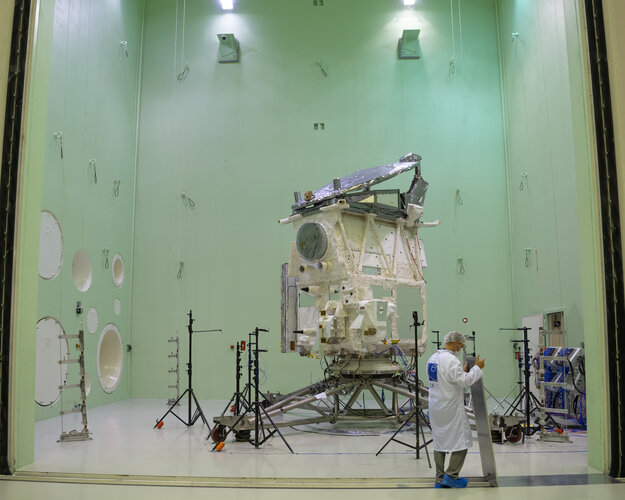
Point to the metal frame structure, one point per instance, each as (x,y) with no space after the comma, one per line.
(9,172)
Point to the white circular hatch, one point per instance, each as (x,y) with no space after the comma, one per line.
(92,320)
(110,358)
(118,270)
(81,270)
(49,374)
(50,246)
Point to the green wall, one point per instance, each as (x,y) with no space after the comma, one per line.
(549,156)
(93,92)
(239,139)
(540,143)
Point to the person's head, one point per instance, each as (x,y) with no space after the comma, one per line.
(454,341)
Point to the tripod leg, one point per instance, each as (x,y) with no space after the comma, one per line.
(199,413)
(514,406)
(171,410)
(392,438)
(277,430)
(425,446)
(504,400)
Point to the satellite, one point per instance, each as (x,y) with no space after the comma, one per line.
(355,246)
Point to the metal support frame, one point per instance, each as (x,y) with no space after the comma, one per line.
(9,173)
(176,370)
(84,434)
(611,227)
(326,400)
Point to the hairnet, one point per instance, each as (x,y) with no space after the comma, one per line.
(455,337)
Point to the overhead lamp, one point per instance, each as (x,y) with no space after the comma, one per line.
(408,45)
(229,50)
(410,3)
(227,4)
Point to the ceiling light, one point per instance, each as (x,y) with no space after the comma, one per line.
(409,3)
(227,4)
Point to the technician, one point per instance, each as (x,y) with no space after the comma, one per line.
(451,431)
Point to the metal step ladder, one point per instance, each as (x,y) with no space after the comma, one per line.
(176,370)
(84,434)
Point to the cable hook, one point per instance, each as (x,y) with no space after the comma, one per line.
(322,69)
(116,184)
(59,136)
(188,201)
(95,172)
(124,45)
(459,199)
(523,181)
(460,267)
(180,268)
(105,251)
(184,73)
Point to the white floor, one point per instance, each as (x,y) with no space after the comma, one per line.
(129,460)
(124,442)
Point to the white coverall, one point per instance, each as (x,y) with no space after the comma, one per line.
(447,379)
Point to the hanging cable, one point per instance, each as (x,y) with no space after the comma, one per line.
(453,31)
(459,199)
(186,68)
(460,34)
(105,252)
(116,184)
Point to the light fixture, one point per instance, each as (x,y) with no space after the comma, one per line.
(410,3)
(408,45)
(227,4)
(229,50)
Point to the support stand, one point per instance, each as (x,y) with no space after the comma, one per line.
(240,399)
(251,406)
(473,354)
(531,402)
(191,418)
(519,383)
(438,339)
(417,412)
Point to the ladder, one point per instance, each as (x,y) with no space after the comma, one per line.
(84,434)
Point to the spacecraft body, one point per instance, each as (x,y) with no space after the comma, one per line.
(355,247)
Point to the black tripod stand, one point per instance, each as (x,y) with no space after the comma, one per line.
(243,400)
(525,395)
(417,412)
(191,418)
(438,339)
(240,398)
